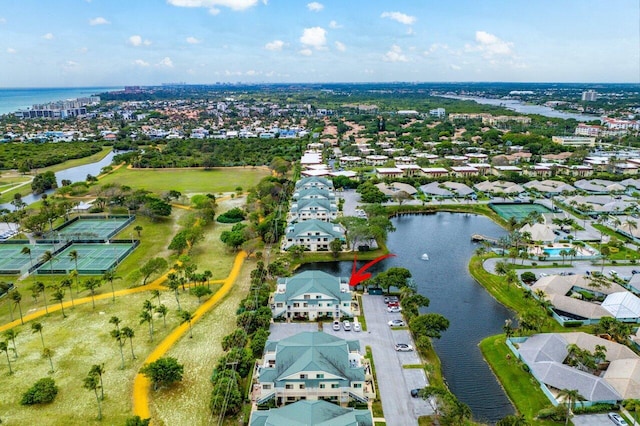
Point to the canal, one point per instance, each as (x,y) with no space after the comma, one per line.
(473,313)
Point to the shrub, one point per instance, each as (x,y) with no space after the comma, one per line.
(231,216)
(42,392)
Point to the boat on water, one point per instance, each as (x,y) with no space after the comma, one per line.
(424,256)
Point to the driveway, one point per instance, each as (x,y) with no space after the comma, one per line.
(592,420)
(394,382)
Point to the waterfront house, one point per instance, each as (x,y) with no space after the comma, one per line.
(313,235)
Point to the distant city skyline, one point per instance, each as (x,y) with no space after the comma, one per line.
(70,43)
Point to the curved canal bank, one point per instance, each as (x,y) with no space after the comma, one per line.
(473,313)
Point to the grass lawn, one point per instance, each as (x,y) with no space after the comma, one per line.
(188,181)
(521,387)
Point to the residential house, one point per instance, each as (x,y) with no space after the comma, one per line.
(312,295)
(311,413)
(312,208)
(314,182)
(389,172)
(313,235)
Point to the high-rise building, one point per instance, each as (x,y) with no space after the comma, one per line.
(589,96)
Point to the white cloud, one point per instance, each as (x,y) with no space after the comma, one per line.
(136,40)
(490,45)
(340,46)
(213,11)
(395,55)
(334,25)
(236,5)
(48,36)
(252,72)
(11,50)
(193,40)
(315,6)
(399,17)
(314,37)
(98,21)
(141,63)
(455,67)
(434,48)
(83,50)
(166,62)
(71,64)
(3,21)
(274,45)
(306,52)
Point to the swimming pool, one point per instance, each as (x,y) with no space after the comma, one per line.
(555,251)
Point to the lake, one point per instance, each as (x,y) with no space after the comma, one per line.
(473,313)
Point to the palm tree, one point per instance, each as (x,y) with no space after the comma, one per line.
(91,383)
(186,316)
(511,277)
(47,256)
(98,370)
(117,334)
(48,353)
(16,297)
(73,255)
(91,284)
(571,396)
(66,283)
(36,327)
(207,275)
(631,224)
(39,287)
(128,333)
(174,284)
(145,316)
(572,254)
(11,335)
(4,347)
(58,296)
(633,405)
(27,250)
(75,275)
(163,310)
(110,275)
(138,229)
(156,294)
(115,321)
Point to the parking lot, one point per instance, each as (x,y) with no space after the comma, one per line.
(592,420)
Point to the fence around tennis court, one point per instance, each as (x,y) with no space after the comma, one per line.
(106,230)
(91,266)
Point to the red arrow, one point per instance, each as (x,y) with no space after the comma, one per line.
(358,276)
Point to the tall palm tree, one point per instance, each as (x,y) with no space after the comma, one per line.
(73,255)
(4,347)
(39,287)
(47,256)
(186,316)
(16,297)
(110,276)
(27,250)
(91,383)
(631,224)
(156,294)
(163,310)
(58,296)
(98,370)
(48,353)
(633,405)
(92,284)
(145,316)
(11,335)
(75,276)
(128,333)
(174,284)
(207,274)
(36,327)
(66,283)
(571,396)
(117,335)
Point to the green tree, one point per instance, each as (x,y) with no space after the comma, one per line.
(430,325)
(570,396)
(137,421)
(164,371)
(11,334)
(36,327)
(153,266)
(186,316)
(73,255)
(201,291)
(128,333)
(58,296)
(16,297)
(174,284)
(4,347)
(98,370)
(92,383)
(42,392)
(111,276)
(26,250)
(163,310)
(146,316)
(92,284)
(66,283)
(138,230)
(47,256)
(513,420)
(48,353)
(39,288)
(336,247)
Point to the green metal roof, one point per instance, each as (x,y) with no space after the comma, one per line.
(313,225)
(312,413)
(311,282)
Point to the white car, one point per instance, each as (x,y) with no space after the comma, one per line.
(346,325)
(617,419)
(394,309)
(336,325)
(404,347)
(396,323)
(357,326)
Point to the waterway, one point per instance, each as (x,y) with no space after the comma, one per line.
(525,108)
(11,100)
(473,313)
(74,174)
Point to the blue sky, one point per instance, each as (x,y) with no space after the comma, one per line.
(46,43)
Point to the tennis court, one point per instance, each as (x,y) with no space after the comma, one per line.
(93,259)
(517,210)
(13,262)
(83,228)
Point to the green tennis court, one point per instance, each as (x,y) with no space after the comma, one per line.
(92,258)
(517,210)
(13,262)
(90,229)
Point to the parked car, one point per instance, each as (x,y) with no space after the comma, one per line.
(613,272)
(389,299)
(393,304)
(346,325)
(617,419)
(357,326)
(394,309)
(396,323)
(415,392)
(336,325)
(634,271)
(404,347)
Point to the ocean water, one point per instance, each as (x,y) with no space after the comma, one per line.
(12,100)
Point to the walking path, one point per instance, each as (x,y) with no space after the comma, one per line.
(141,385)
